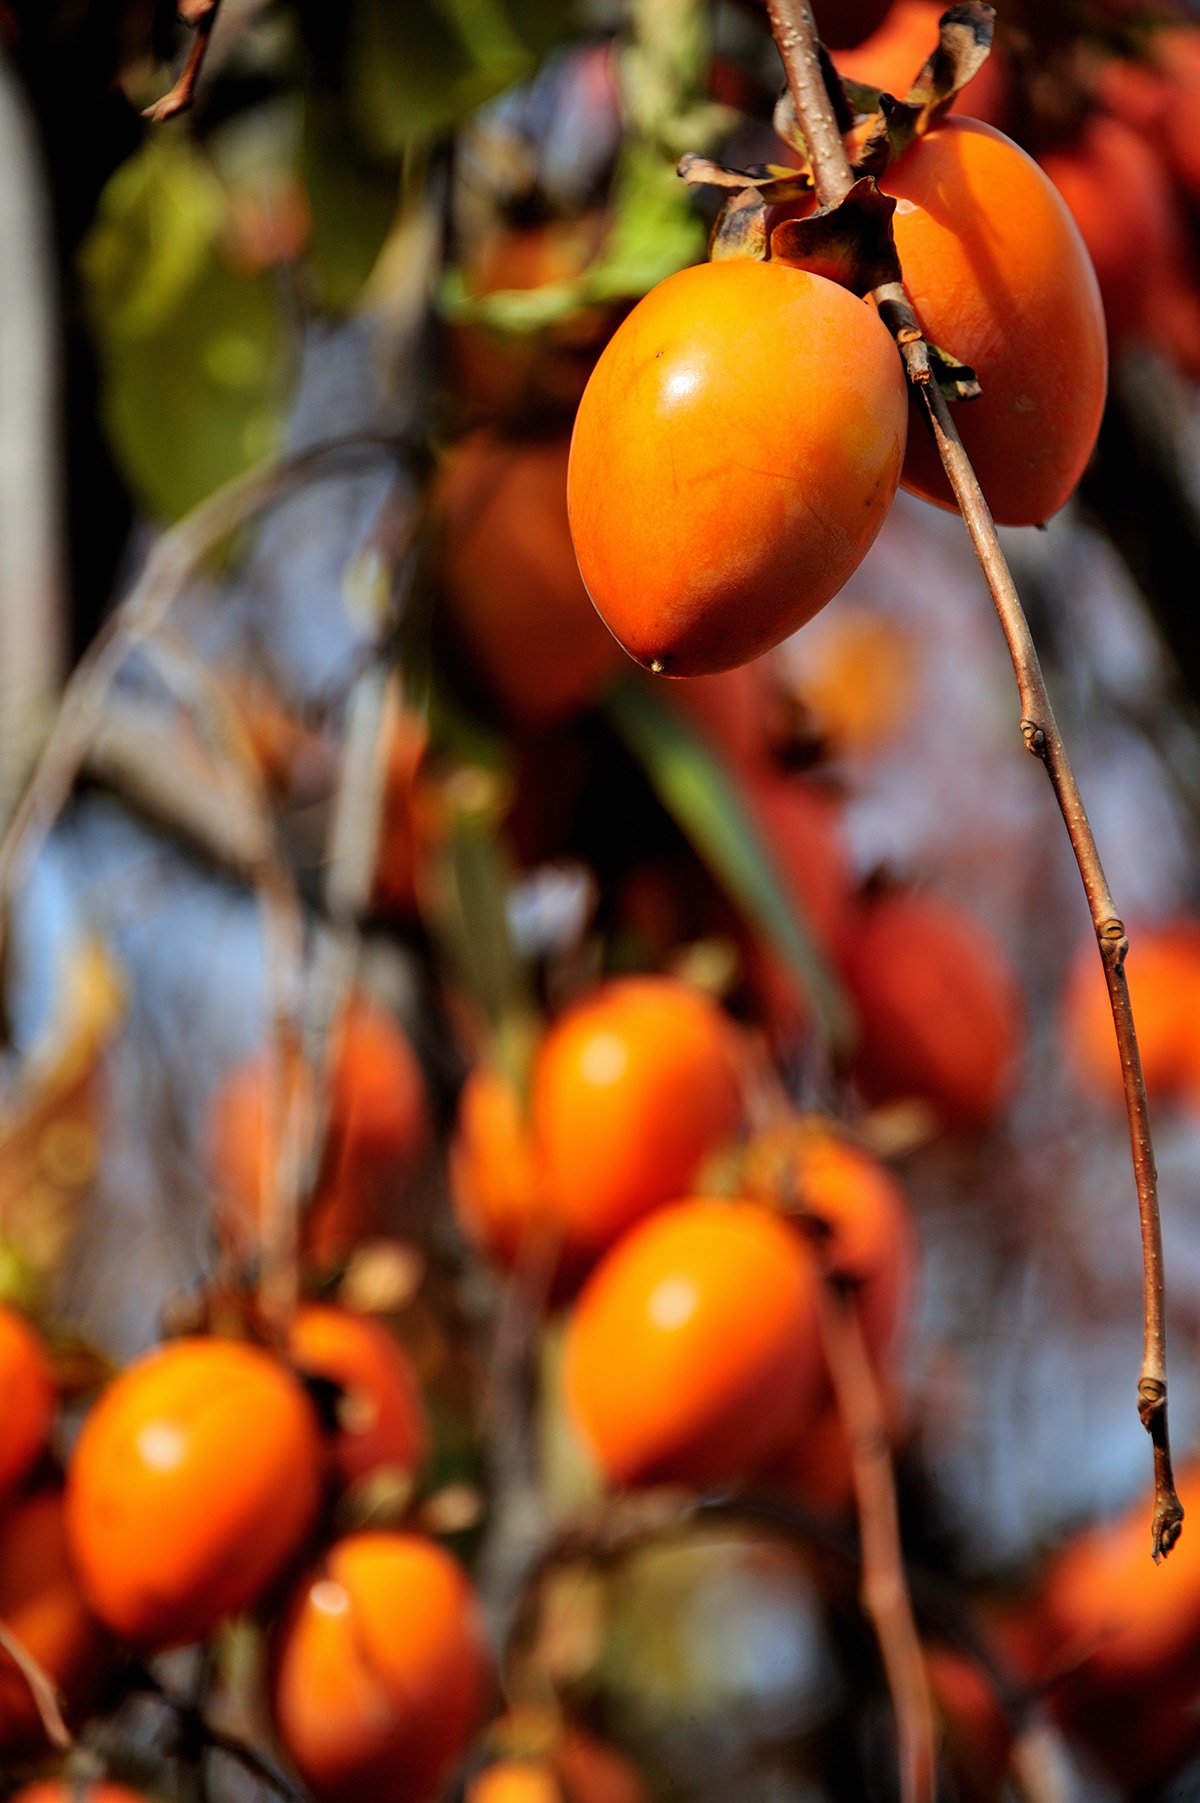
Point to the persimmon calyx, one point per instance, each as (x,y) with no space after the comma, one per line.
(891,124)
(850,243)
(741,226)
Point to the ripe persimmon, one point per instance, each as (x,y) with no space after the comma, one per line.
(515,1781)
(496,1180)
(538,1758)
(377,1133)
(735,453)
(940,1015)
(380,1415)
(692,1352)
(40,1600)
(977,1735)
(1128,1632)
(893,56)
(65,1790)
(26,1399)
(632,1089)
(1121,198)
(511,581)
(379,1670)
(194,1480)
(1157,95)
(1000,277)
(1162,968)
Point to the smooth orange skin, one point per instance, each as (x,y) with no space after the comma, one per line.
(1000,277)
(194,1480)
(735,453)
(378,1131)
(893,56)
(382,1420)
(41,1602)
(1133,1630)
(1163,971)
(26,1399)
(515,1781)
(692,1352)
(632,1089)
(511,581)
(1121,197)
(497,1184)
(940,1014)
(58,1790)
(379,1670)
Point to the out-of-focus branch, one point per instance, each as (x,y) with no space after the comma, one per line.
(201,15)
(884,1585)
(31,630)
(795,33)
(41,1689)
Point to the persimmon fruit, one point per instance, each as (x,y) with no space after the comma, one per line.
(734,455)
(632,1089)
(692,1353)
(379,1670)
(378,1132)
(496,1179)
(195,1478)
(26,1399)
(940,1014)
(62,1790)
(510,578)
(1162,968)
(380,1416)
(40,1600)
(515,1781)
(1000,277)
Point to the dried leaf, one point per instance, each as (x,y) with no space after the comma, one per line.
(775,182)
(956,380)
(964,46)
(741,228)
(887,136)
(850,243)
(787,126)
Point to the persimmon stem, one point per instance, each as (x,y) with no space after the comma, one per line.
(795,34)
(41,1688)
(885,1593)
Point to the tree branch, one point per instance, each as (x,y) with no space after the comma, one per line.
(41,1689)
(795,33)
(201,15)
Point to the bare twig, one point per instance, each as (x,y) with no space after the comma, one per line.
(41,1689)
(884,1585)
(1039,1765)
(257,1764)
(201,15)
(795,33)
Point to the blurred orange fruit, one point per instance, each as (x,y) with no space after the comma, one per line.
(40,1600)
(632,1089)
(574,1769)
(802,826)
(496,1179)
(515,1781)
(696,439)
(894,55)
(377,1133)
(26,1399)
(855,677)
(940,1015)
(380,1416)
(977,1736)
(379,1670)
(511,581)
(691,1353)
(65,1790)
(195,1478)
(1001,279)
(1163,972)
(411,823)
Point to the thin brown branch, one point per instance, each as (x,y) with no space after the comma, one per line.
(1039,1765)
(796,35)
(201,15)
(884,1585)
(41,1689)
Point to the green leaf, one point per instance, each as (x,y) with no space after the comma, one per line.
(698,793)
(193,355)
(418,67)
(353,203)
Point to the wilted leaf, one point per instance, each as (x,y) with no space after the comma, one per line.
(956,380)
(695,789)
(850,243)
(741,228)
(964,45)
(49,1129)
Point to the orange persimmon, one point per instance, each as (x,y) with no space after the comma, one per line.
(735,453)
(1001,278)
(1163,971)
(379,1670)
(692,1351)
(26,1399)
(940,1015)
(40,1600)
(510,578)
(194,1480)
(380,1415)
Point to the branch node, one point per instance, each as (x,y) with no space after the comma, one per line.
(1152,1399)
(1113,943)
(1035,738)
